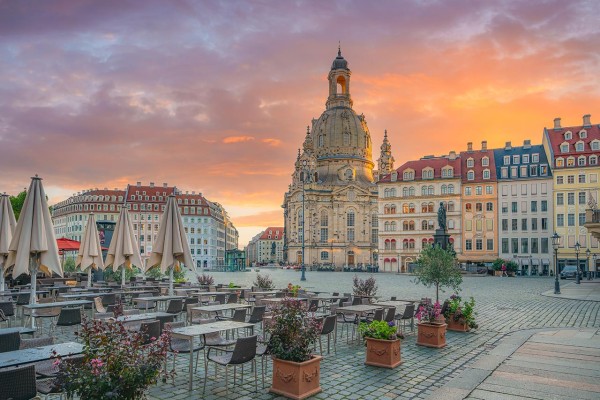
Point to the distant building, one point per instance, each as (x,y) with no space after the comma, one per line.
(573,154)
(266,247)
(208,228)
(525,207)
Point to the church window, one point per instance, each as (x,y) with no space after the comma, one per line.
(350,218)
(321,139)
(375,220)
(324,218)
(348,174)
(324,255)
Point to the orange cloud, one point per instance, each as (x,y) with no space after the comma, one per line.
(237,139)
(272,142)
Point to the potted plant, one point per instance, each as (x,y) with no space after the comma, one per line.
(504,267)
(206,280)
(437,267)
(460,317)
(382,342)
(293,290)
(431,329)
(293,333)
(364,287)
(116,363)
(263,281)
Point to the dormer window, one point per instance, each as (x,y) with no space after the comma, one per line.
(579,146)
(470,175)
(568,135)
(564,148)
(448,172)
(581,161)
(506,160)
(571,162)
(485,161)
(560,162)
(535,158)
(408,175)
(525,158)
(594,160)
(582,134)
(595,144)
(470,163)
(486,174)
(516,159)
(427,173)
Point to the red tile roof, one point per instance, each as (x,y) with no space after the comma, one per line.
(557,137)
(477,156)
(274,235)
(437,163)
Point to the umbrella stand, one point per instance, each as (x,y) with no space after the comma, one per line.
(33,269)
(123,276)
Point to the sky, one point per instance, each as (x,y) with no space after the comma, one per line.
(215,96)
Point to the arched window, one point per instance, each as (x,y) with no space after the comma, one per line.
(444,189)
(346,139)
(424,225)
(405,225)
(404,191)
(321,140)
(423,207)
(405,244)
(411,225)
(411,191)
(386,227)
(470,175)
(324,218)
(386,209)
(468,207)
(581,161)
(393,192)
(450,206)
(387,244)
(593,160)
(393,244)
(430,190)
(411,244)
(451,189)
(423,190)
(424,243)
(430,225)
(430,207)
(411,208)
(393,226)
(405,208)
(393,209)
(386,193)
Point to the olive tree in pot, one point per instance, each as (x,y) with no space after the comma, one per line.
(293,332)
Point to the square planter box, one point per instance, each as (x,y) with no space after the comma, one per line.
(431,335)
(457,326)
(296,380)
(383,353)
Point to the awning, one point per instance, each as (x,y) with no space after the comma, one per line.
(535,261)
(545,261)
(65,244)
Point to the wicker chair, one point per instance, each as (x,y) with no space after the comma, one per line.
(10,341)
(68,317)
(243,352)
(8,310)
(44,368)
(18,383)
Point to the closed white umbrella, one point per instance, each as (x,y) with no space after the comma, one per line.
(171,246)
(124,249)
(33,246)
(90,251)
(7,227)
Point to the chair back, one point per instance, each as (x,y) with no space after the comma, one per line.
(409,311)
(23,298)
(175,306)
(314,305)
(190,300)
(279,295)
(99,306)
(258,312)
(69,317)
(9,341)
(109,299)
(239,315)
(8,308)
(165,320)
(390,314)
(233,298)
(378,315)
(445,307)
(244,350)
(18,383)
(150,330)
(328,324)
(393,298)
(220,298)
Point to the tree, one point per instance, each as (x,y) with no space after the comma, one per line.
(437,267)
(17,203)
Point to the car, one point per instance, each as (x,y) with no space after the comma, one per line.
(569,271)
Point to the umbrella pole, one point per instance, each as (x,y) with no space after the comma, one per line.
(123,276)
(33,268)
(2,273)
(171,280)
(89,277)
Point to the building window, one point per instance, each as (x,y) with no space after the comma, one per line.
(523,224)
(350,218)
(571,162)
(525,158)
(324,254)
(489,206)
(350,234)
(489,244)
(324,235)
(595,145)
(514,207)
(471,175)
(581,197)
(560,199)
(571,219)
(486,174)
(470,163)
(478,207)
(564,148)
(593,160)
(489,189)
(581,178)
(524,245)
(505,225)
(560,220)
(534,224)
(478,190)
(581,219)
(505,245)
(468,207)
(571,198)
(504,172)
(581,161)
(533,206)
(506,160)
(544,205)
(516,159)
(579,146)
(514,244)
(468,191)
(478,244)
(468,244)
(485,161)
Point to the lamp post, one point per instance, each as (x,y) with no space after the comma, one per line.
(589,270)
(555,244)
(577,248)
(304,178)
(398,262)
(595,257)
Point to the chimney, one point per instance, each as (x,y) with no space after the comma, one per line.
(507,146)
(139,184)
(470,146)
(483,145)
(557,123)
(165,184)
(151,184)
(452,155)
(193,192)
(187,192)
(586,121)
(527,144)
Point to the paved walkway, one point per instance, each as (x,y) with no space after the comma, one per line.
(586,290)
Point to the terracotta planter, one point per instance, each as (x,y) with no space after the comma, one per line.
(431,335)
(383,353)
(296,380)
(497,273)
(458,326)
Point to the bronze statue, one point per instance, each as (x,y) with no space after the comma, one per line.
(442,217)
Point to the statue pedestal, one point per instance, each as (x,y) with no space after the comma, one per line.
(441,238)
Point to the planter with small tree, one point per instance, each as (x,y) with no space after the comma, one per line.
(460,316)
(382,342)
(293,332)
(435,267)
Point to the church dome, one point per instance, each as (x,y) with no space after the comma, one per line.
(339,62)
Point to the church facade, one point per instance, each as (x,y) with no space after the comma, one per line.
(330,208)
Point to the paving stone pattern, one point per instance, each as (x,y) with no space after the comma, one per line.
(504,305)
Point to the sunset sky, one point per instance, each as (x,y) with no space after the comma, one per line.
(216,96)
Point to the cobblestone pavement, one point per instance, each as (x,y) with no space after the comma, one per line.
(503,305)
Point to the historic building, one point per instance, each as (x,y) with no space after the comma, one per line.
(206,224)
(573,153)
(266,247)
(525,211)
(331,204)
(479,204)
(409,199)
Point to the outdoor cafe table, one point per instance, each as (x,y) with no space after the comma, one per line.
(263,293)
(157,299)
(189,332)
(392,303)
(36,354)
(140,317)
(83,295)
(57,304)
(219,307)
(21,329)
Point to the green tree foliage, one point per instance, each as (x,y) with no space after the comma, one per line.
(511,266)
(437,267)
(17,203)
(69,265)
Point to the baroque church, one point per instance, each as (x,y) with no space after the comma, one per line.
(330,208)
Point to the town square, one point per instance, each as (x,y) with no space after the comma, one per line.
(268,199)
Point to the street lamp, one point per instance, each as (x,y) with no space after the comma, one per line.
(595,257)
(305,175)
(577,248)
(589,270)
(555,244)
